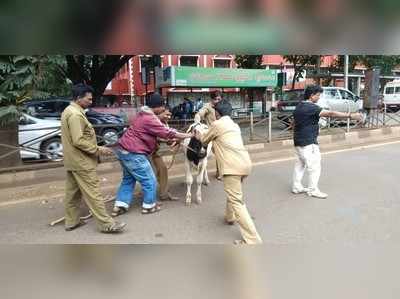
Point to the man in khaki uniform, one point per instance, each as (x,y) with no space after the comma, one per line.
(160,169)
(81,153)
(234,165)
(207,114)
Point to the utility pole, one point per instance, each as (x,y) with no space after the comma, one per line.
(346,71)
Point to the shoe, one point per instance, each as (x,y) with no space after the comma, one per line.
(299,191)
(79,224)
(118,211)
(115,228)
(317,194)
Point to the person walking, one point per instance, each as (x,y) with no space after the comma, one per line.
(306,130)
(81,154)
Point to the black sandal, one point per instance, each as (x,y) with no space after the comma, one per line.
(79,224)
(152,210)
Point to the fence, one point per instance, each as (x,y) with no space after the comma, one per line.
(260,128)
(279,125)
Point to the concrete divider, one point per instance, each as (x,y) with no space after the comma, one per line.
(29,177)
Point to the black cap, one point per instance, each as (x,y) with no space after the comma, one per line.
(224,108)
(155,101)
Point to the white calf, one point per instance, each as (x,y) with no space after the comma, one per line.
(196,160)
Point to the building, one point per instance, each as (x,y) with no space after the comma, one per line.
(130,86)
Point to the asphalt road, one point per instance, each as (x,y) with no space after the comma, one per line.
(363,206)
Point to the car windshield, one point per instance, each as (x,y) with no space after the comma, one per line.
(293,95)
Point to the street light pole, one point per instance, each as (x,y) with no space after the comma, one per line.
(346,71)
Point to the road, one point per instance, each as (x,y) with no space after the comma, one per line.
(363,205)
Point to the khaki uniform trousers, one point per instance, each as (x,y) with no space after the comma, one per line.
(161,172)
(236,210)
(86,184)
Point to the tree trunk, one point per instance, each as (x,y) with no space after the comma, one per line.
(294,75)
(9,136)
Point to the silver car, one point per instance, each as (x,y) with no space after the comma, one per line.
(40,138)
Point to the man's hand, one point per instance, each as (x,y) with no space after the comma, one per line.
(356,116)
(105,151)
(197,135)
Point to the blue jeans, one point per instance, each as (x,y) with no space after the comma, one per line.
(136,168)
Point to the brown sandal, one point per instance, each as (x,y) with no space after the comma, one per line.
(152,210)
(118,211)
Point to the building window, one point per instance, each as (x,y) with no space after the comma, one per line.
(188,60)
(224,63)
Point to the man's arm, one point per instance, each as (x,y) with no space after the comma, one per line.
(209,136)
(200,115)
(337,114)
(157,128)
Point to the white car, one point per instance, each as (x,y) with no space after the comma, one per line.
(40,138)
(340,99)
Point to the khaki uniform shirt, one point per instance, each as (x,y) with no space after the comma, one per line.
(206,113)
(232,157)
(78,139)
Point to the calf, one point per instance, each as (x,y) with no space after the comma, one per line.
(196,155)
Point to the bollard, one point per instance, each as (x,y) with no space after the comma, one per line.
(269,126)
(251,125)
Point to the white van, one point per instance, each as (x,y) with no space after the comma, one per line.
(391,94)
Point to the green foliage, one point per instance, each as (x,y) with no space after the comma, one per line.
(26,77)
(249,61)
(8,114)
(300,63)
(385,62)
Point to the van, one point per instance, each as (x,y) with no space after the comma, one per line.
(391,94)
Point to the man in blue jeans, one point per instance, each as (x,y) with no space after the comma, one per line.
(133,151)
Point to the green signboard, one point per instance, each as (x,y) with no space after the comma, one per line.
(185,76)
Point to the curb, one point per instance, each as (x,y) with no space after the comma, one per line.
(23,178)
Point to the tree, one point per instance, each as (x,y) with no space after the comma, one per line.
(250,62)
(21,77)
(95,70)
(300,63)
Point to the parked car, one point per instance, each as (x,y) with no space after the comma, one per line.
(40,137)
(391,95)
(332,98)
(108,127)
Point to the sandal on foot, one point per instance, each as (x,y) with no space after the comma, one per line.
(116,227)
(152,210)
(79,224)
(118,211)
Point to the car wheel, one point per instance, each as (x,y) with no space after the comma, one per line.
(52,149)
(109,136)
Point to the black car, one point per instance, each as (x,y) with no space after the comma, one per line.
(108,127)
(287,103)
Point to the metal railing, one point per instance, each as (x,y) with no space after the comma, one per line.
(269,127)
(279,125)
